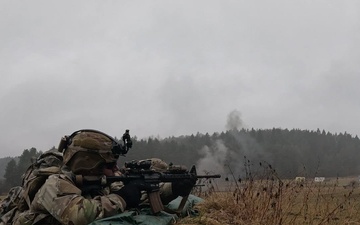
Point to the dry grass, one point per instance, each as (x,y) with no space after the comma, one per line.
(273,201)
(278,202)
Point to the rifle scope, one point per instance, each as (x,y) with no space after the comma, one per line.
(146,164)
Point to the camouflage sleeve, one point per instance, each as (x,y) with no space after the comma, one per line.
(62,199)
(166,194)
(116,185)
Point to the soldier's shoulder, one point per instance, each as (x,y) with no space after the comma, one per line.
(59,177)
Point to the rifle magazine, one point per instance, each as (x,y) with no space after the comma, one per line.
(155,202)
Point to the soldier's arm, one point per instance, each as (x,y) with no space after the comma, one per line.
(166,194)
(63,200)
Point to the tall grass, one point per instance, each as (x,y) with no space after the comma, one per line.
(269,200)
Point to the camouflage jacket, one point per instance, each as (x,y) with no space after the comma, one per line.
(60,201)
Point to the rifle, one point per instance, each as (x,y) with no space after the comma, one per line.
(139,172)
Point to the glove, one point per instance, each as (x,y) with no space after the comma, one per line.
(92,190)
(183,187)
(131,193)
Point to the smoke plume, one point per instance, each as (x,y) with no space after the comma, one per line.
(234,121)
(214,158)
(234,156)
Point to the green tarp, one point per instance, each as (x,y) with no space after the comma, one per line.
(144,216)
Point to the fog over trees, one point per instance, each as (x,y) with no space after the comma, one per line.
(290,152)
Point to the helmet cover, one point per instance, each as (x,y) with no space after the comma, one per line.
(88,150)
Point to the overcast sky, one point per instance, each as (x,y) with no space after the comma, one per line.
(170,68)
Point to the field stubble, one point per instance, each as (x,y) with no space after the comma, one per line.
(275,201)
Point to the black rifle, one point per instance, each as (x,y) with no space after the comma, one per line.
(139,172)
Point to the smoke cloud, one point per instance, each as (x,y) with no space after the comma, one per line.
(214,158)
(244,155)
(234,121)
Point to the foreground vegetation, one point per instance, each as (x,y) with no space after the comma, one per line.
(272,201)
(277,202)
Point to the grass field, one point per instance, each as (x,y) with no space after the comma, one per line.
(275,202)
(336,201)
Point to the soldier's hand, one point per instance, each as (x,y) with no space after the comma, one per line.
(183,187)
(131,193)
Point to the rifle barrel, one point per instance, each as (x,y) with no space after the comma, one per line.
(209,176)
(155,177)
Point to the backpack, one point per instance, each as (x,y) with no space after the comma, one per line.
(48,163)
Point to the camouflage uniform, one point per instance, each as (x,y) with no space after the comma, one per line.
(9,206)
(61,201)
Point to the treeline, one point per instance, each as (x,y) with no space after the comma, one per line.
(290,152)
(16,167)
(242,152)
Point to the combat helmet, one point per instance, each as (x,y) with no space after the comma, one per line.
(86,151)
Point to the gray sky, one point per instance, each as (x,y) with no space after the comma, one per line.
(175,67)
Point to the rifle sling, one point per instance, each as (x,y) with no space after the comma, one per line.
(180,208)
